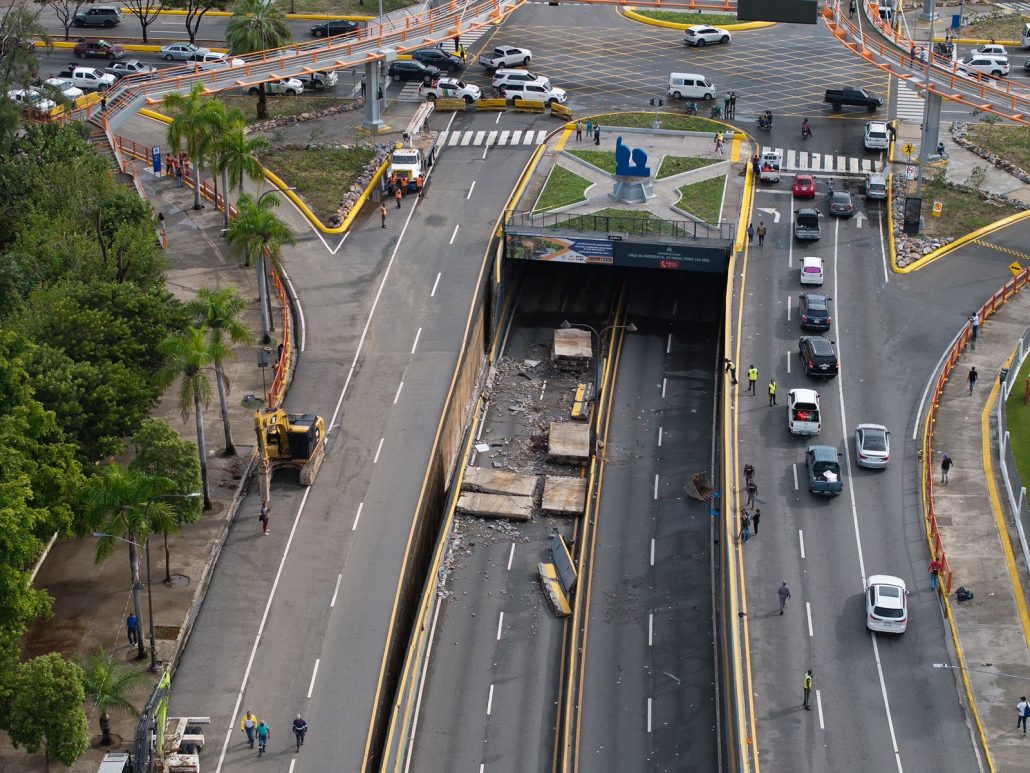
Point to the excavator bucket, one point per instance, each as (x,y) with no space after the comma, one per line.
(699,487)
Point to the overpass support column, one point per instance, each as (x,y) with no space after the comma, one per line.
(927,153)
(929,11)
(374,98)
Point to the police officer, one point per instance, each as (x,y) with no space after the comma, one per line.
(752,379)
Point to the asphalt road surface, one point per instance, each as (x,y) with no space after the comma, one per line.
(878,703)
(649,697)
(296,622)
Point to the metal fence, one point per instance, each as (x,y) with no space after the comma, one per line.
(630,224)
(1014,487)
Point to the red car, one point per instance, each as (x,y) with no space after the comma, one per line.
(99,48)
(804,186)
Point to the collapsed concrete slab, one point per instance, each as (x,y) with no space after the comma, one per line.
(496,505)
(564,496)
(489,481)
(568,443)
(572,348)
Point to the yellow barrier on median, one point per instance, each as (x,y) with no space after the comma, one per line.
(492,104)
(449,104)
(560,111)
(529,106)
(631,13)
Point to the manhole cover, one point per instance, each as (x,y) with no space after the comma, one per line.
(179,581)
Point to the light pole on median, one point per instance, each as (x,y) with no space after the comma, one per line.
(146,548)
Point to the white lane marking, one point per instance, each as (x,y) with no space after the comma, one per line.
(668,344)
(801,541)
(414,345)
(490,701)
(789,357)
(854,509)
(499,118)
(261,629)
(659,437)
(357,517)
(789,304)
(433,293)
(471,188)
(675,305)
(453,235)
(397,396)
(292,763)
(652,551)
(543,387)
(656,485)
(336,590)
(795,468)
(314,673)
(808,614)
(375,459)
(883,249)
(664,383)
(486,149)
(819,706)
(511,555)
(500,624)
(650,629)
(649,715)
(790,245)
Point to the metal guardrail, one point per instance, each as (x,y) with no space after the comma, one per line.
(1014,486)
(616,225)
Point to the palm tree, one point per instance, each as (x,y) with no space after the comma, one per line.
(119,504)
(235,154)
(195,118)
(187,355)
(108,683)
(257,231)
(257,25)
(220,311)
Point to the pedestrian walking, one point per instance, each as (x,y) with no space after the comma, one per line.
(749,472)
(745,525)
(579,131)
(364,87)
(808,688)
(935,569)
(975,322)
(732,370)
(264,518)
(752,379)
(398,195)
(946,464)
(264,732)
(103,104)
(379,93)
(750,232)
(718,148)
(756,167)
(419,184)
(726,105)
(590,129)
(178,174)
(249,725)
(772,391)
(717,139)
(382,213)
(761,234)
(597,134)
(912,56)
(852,7)
(132,629)
(733,105)
(1022,712)
(784,594)
(755,519)
(971,378)
(752,492)
(300,729)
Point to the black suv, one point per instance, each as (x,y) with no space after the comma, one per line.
(814,311)
(818,356)
(334,27)
(438,58)
(410,70)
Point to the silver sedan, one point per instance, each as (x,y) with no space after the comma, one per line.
(872,446)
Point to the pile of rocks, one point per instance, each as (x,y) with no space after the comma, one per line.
(910,248)
(289,120)
(958,134)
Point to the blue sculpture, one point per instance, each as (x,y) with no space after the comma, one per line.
(623,167)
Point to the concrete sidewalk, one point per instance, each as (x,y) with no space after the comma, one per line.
(981,546)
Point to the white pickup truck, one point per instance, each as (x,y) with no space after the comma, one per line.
(506,56)
(450,88)
(88,78)
(287,86)
(803,412)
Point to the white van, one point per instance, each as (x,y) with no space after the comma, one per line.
(877,137)
(691,85)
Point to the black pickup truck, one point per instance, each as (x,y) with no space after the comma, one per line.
(850,95)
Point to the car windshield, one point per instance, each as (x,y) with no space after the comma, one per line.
(874,441)
(817,312)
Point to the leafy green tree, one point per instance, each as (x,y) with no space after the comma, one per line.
(187,356)
(257,231)
(194,117)
(220,310)
(161,452)
(108,684)
(235,155)
(19,25)
(146,11)
(257,25)
(46,712)
(120,503)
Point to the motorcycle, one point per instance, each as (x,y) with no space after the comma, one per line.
(806,130)
(764,122)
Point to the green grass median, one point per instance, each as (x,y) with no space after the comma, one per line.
(703,199)
(671,121)
(562,189)
(306,169)
(1018,416)
(673,165)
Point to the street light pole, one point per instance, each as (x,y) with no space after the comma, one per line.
(631,328)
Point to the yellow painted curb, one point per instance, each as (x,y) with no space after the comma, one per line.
(314,16)
(939,253)
(977,41)
(630,13)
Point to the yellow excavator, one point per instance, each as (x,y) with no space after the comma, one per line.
(288,440)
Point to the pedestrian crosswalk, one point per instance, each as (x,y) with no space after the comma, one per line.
(1015,7)
(910,104)
(472,137)
(824,163)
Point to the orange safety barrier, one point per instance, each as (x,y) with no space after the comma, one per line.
(999,298)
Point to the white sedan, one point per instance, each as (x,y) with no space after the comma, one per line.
(872,446)
(181,51)
(700,35)
(886,604)
(811,271)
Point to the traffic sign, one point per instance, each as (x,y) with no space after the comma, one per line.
(1015,268)
(938,207)
(908,148)
(910,173)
